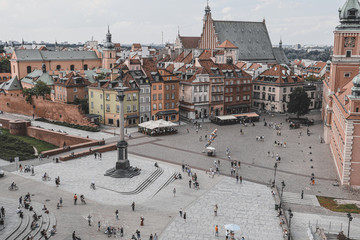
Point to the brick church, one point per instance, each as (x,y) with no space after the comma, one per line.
(251,39)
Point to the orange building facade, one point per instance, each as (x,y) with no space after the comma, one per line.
(341,101)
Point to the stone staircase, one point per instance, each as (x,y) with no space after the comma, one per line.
(146,183)
(295,198)
(170,180)
(23,228)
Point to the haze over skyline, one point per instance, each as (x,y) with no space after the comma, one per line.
(295,21)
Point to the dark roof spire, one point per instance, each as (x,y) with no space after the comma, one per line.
(350,13)
(207,8)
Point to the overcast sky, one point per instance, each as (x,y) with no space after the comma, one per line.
(296,21)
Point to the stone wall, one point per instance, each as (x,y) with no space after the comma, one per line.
(16,103)
(55,138)
(106,148)
(5,123)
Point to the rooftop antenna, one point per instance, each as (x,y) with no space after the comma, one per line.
(179,30)
(162,38)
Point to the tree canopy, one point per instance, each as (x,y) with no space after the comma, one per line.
(40,89)
(299,102)
(4,65)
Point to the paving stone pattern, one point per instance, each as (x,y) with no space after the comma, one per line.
(249,205)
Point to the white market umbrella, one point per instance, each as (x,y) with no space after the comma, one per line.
(232,227)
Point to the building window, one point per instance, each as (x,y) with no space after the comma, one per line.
(160,87)
(85,67)
(110,65)
(173,86)
(226,99)
(28,69)
(167,87)
(142,109)
(75,89)
(172,105)
(347,74)
(284,90)
(237,98)
(134,97)
(160,106)
(348,53)
(110,55)
(117,108)
(134,108)
(284,98)
(154,87)
(160,96)
(357,109)
(173,96)
(72,67)
(167,105)
(167,96)
(107,97)
(154,106)
(129,97)
(101,106)
(92,104)
(128,108)
(148,100)
(58,67)
(154,97)
(147,90)
(108,107)
(173,117)
(141,100)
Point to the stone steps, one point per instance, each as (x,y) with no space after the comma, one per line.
(170,180)
(295,198)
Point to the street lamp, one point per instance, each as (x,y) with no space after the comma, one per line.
(282,191)
(350,219)
(290,217)
(275,167)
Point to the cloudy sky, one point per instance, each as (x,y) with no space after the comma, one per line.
(296,21)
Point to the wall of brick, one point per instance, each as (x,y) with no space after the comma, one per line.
(101,149)
(16,103)
(5,123)
(55,138)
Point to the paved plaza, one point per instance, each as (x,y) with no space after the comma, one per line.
(250,205)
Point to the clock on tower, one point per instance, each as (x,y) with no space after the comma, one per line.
(349,42)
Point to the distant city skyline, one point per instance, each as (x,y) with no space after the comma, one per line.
(151,22)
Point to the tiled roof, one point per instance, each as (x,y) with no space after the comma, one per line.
(190,42)
(72,79)
(180,57)
(279,73)
(12,84)
(227,44)
(251,38)
(37,55)
(280,56)
(209,67)
(206,54)
(38,75)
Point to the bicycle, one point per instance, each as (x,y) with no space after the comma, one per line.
(13,188)
(47,178)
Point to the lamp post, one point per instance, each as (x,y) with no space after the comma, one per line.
(350,219)
(275,167)
(290,217)
(282,191)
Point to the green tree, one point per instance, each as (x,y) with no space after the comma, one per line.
(299,102)
(4,65)
(40,89)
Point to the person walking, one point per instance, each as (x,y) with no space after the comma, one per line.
(155,237)
(142,219)
(216,231)
(133,206)
(121,231)
(99,225)
(237,178)
(190,183)
(302,194)
(215,210)
(174,191)
(151,237)
(89,220)
(184,216)
(20,201)
(137,233)
(75,199)
(61,201)
(181,212)
(117,214)
(240,179)
(2,211)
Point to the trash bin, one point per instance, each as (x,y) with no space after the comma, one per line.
(276,206)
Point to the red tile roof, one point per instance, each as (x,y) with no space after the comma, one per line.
(206,54)
(227,45)
(190,42)
(278,74)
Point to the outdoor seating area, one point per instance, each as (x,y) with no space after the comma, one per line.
(158,127)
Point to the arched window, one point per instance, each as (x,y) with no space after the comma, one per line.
(58,67)
(85,67)
(28,69)
(72,67)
